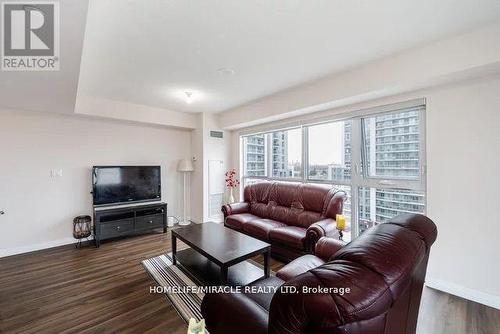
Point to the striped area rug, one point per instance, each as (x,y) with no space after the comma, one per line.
(160,268)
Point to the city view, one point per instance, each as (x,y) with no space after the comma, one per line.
(390,150)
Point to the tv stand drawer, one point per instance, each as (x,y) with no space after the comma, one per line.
(149,222)
(117,228)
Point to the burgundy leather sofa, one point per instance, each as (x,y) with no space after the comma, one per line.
(290,216)
(384,268)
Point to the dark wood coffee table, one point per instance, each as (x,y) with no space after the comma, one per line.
(217,255)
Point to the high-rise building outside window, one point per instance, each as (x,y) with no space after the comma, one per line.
(377,157)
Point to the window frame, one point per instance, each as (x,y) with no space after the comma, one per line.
(305,144)
(268,160)
(359,178)
(376,181)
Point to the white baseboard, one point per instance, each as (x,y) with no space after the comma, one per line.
(31,248)
(466,293)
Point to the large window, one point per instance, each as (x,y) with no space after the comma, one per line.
(377,157)
(255,155)
(286,153)
(391,145)
(379,205)
(273,155)
(329,151)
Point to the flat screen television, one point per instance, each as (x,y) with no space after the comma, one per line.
(125,184)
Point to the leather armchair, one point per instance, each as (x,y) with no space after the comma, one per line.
(384,269)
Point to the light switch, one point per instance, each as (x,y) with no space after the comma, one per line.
(56,172)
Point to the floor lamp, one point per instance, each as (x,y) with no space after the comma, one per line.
(185,167)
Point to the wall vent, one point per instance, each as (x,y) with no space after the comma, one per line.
(217,134)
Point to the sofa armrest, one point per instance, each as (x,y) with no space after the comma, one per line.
(235,208)
(326,247)
(323,228)
(233,313)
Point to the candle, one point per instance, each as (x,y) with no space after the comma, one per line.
(340,219)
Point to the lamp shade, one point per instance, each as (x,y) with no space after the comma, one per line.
(185,165)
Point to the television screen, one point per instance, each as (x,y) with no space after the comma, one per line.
(120,184)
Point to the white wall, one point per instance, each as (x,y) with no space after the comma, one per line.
(206,148)
(197,200)
(463,188)
(105,108)
(39,209)
(215,149)
(463,182)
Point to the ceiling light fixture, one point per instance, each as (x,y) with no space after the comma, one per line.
(226,71)
(189,97)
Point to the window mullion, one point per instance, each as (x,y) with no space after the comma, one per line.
(305,153)
(356,177)
(423,155)
(269,154)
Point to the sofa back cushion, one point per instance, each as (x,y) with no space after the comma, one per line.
(284,202)
(313,196)
(312,200)
(258,196)
(293,203)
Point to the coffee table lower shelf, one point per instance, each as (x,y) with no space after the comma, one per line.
(205,273)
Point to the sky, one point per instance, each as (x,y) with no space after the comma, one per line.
(329,135)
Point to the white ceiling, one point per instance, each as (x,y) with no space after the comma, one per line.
(149,52)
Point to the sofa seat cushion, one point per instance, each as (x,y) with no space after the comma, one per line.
(299,266)
(260,228)
(237,221)
(292,236)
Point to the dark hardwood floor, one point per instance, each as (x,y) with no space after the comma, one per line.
(89,290)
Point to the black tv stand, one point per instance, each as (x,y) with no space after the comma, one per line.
(119,221)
